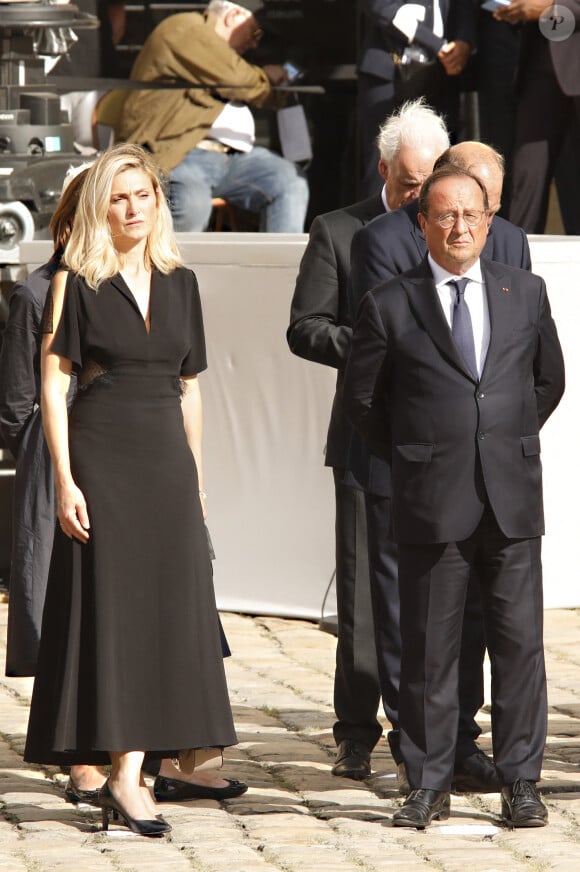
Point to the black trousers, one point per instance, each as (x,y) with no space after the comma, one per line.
(356,682)
(433,586)
(384,582)
(383,563)
(543,120)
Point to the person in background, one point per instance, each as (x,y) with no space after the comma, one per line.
(432,41)
(548,99)
(203,137)
(320,330)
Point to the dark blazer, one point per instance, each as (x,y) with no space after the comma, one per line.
(385,248)
(409,392)
(320,324)
(381,38)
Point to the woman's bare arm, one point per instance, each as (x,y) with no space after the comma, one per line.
(56,373)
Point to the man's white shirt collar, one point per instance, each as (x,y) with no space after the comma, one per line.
(384,199)
(442,277)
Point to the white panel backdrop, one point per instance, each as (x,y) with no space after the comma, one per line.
(270,498)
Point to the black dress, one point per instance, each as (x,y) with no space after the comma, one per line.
(130,654)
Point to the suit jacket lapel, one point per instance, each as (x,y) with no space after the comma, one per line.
(424,301)
(416,232)
(499,302)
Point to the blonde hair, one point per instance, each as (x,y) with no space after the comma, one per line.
(90,251)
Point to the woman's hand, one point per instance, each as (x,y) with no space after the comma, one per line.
(72,512)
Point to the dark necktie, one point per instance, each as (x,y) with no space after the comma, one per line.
(461,327)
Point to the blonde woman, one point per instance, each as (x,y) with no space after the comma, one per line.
(130,659)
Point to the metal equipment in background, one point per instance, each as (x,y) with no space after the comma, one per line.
(36,138)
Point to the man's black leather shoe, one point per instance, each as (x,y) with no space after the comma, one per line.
(475,774)
(521,806)
(402,780)
(353,760)
(421,807)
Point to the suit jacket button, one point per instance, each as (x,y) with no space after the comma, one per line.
(481,396)
(482,435)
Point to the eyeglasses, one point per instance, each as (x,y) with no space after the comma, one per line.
(472,218)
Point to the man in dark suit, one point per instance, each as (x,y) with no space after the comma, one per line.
(320,330)
(454,367)
(388,246)
(548,98)
(432,37)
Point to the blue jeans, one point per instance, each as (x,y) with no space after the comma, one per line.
(259,181)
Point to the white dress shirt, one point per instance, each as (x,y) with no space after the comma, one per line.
(475,300)
(409,15)
(384,199)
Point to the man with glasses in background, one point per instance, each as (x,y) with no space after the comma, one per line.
(203,136)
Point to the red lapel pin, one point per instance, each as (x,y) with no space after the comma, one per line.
(505,290)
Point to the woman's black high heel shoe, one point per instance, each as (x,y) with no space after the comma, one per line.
(109,804)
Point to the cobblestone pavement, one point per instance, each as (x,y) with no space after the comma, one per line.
(296,817)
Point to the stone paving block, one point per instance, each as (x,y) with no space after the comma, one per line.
(313,855)
(564,865)
(12,864)
(297,817)
(252,864)
(298,827)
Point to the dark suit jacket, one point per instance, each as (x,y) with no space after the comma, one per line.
(320,324)
(381,37)
(409,392)
(385,248)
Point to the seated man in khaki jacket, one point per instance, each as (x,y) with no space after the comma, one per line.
(204,137)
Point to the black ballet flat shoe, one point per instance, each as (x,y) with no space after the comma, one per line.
(74,794)
(173,790)
(157,826)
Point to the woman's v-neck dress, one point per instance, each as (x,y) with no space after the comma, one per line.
(130,654)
